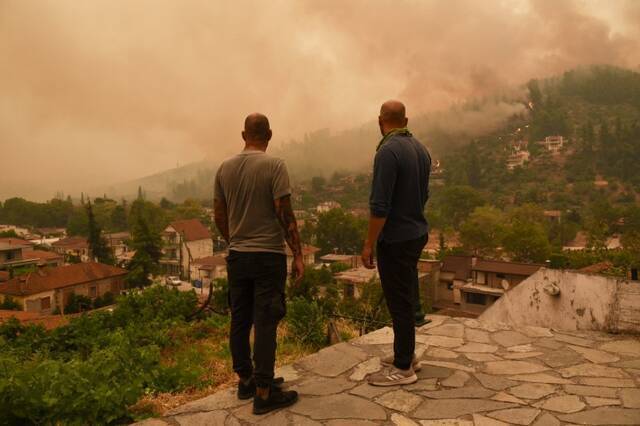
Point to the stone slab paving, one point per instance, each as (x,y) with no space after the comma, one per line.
(473,374)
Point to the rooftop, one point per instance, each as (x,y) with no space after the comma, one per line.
(47,279)
(191,229)
(473,373)
(71,243)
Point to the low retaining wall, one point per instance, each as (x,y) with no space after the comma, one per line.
(582,302)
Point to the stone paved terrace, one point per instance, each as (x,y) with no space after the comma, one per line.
(472,373)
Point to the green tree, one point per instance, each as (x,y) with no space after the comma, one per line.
(98,247)
(119,217)
(340,231)
(146,241)
(483,231)
(456,203)
(527,242)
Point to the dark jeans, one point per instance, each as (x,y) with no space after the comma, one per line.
(398,267)
(256,297)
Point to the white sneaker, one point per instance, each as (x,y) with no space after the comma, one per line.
(392,376)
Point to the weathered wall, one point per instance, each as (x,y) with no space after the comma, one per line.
(585,302)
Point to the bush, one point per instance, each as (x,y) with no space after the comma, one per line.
(306,322)
(77,303)
(10,304)
(92,369)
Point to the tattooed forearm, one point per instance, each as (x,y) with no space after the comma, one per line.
(221,218)
(288,222)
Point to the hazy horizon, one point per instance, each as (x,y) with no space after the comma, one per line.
(102,92)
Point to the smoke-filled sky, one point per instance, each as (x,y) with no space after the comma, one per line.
(101,91)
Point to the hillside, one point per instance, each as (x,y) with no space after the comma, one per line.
(473,139)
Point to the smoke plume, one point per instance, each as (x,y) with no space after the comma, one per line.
(104,91)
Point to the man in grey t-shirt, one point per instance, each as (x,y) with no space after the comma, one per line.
(252,204)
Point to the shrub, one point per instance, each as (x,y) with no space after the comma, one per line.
(10,304)
(92,369)
(77,303)
(306,322)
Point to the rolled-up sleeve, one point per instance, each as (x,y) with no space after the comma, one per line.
(385,169)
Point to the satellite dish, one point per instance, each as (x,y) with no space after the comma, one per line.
(505,285)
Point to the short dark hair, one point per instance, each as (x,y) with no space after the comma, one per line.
(256,127)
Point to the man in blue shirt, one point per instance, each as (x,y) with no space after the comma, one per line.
(398,228)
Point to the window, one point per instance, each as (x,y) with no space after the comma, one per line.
(45,303)
(480,278)
(93,291)
(476,299)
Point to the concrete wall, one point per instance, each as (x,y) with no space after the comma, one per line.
(585,302)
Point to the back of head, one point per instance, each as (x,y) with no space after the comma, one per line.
(393,114)
(256,129)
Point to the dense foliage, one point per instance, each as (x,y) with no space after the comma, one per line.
(91,370)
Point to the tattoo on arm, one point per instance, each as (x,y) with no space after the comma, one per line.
(288,222)
(221,218)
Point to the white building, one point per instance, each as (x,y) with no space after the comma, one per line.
(184,241)
(327,205)
(553,143)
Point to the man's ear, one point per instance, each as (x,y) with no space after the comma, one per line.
(269,134)
(406,121)
(244,138)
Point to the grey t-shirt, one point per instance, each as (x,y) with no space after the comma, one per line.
(249,183)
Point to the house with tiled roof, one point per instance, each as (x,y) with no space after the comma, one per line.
(46,289)
(72,248)
(209,268)
(471,284)
(183,242)
(44,258)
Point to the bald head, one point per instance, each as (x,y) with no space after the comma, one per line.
(392,116)
(256,129)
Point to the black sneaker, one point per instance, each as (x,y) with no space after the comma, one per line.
(249,390)
(277,399)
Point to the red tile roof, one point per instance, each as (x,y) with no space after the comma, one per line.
(18,242)
(191,229)
(47,321)
(41,254)
(71,243)
(47,279)
(502,267)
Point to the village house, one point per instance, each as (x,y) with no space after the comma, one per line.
(48,289)
(44,258)
(349,260)
(308,255)
(327,206)
(471,284)
(184,241)
(517,159)
(12,253)
(72,248)
(117,242)
(352,280)
(209,268)
(553,143)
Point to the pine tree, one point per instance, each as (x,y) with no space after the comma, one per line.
(98,247)
(147,243)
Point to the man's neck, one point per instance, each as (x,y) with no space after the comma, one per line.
(252,147)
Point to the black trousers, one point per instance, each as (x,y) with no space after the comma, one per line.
(398,268)
(256,297)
